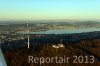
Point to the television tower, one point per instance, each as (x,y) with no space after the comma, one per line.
(28,35)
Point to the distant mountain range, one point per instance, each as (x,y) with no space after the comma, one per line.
(49,25)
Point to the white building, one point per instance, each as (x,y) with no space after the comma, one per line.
(58,46)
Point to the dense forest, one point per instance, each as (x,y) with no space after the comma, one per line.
(82,45)
(86,47)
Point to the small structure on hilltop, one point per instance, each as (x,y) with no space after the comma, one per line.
(60,45)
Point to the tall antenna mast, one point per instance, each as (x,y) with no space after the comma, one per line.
(61,40)
(28,35)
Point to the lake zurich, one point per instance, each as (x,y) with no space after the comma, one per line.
(64,31)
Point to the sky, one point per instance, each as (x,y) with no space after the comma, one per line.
(49,9)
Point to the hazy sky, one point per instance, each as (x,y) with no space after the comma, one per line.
(49,9)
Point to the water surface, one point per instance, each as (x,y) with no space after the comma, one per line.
(65,31)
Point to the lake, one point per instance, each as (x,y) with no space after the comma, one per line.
(65,31)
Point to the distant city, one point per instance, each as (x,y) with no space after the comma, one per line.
(9,30)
